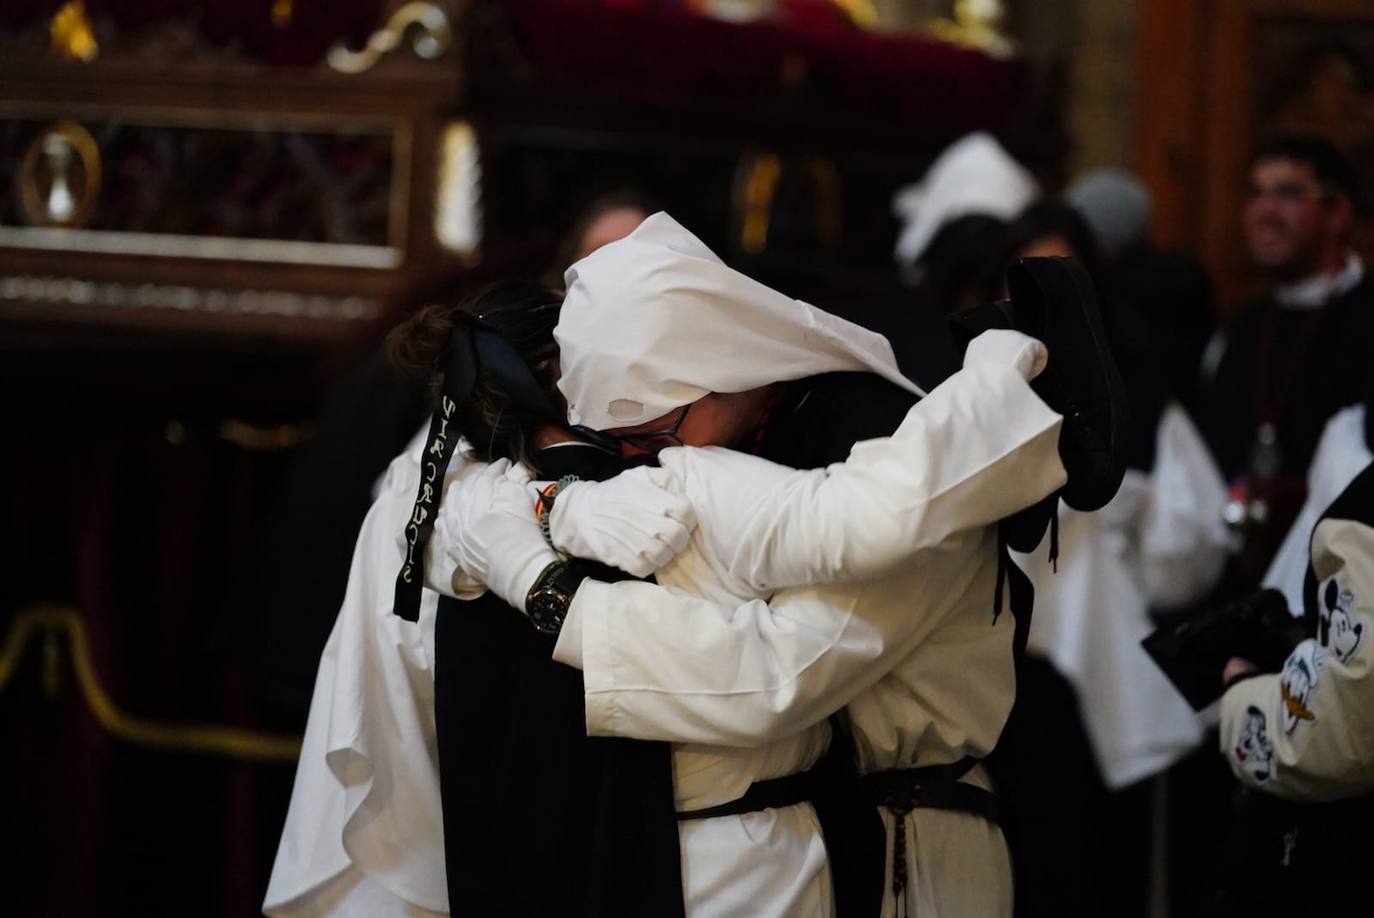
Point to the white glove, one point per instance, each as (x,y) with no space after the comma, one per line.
(487,527)
(1008,348)
(634,521)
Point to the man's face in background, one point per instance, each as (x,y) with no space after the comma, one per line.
(1291,222)
(608,227)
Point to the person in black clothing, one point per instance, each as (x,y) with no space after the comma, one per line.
(1290,360)
(605,837)
(510,724)
(277,621)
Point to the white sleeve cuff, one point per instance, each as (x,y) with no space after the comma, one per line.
(568,650)
(585,643)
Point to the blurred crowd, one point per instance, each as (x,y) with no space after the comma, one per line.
(1114,782)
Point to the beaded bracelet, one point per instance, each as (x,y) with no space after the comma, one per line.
(543,507)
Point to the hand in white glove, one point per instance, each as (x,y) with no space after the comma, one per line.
(487,527)
(634,522)
(1008,348)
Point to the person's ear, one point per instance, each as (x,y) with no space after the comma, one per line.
(1341,216)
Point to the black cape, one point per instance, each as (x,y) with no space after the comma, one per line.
(539,818)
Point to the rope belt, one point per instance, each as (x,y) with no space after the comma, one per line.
(932,787)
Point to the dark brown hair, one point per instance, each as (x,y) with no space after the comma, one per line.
(1331,168)
(524,313)
(571,243)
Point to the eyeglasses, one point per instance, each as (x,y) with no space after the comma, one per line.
(1288,192)
(655,440)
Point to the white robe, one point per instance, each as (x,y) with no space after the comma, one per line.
(363,833)
(911,647)
(770,863)
(1341,455)
(1160,543)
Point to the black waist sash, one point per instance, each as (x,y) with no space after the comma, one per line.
(934,787)
(902,790)
(938,787)
(771,794)
(850,824)
(931,787)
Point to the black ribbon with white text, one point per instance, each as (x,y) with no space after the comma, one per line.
(460,374)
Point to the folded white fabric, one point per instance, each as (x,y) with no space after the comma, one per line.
(1008,348)
(656,321)
(1158,543)
(364,834)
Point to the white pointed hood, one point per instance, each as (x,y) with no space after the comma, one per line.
(975,175)
(655,321)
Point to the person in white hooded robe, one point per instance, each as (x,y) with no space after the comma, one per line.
(361,836)
(375,810)
(701,672)
(1095,718)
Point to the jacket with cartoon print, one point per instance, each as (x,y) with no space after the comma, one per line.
(1307,732)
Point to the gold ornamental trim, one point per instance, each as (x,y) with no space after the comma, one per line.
(46,624)
(433,37)
(755,199)
(56,145)
(71,35)
(976,24)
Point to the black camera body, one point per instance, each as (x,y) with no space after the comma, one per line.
(1194,652)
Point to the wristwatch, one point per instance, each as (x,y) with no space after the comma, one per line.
(548,600)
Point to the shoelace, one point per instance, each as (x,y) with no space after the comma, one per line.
(1003,559)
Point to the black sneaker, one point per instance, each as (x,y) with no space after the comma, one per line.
(1053,300)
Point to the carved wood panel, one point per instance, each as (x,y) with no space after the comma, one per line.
(1214,79)
(241,187)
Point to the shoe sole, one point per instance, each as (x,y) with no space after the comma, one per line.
(1056,302)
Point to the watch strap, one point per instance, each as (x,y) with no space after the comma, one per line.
(543,507)
(552,594)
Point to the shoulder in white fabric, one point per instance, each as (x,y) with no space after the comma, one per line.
(1254,751)
(1298,682)
(656,321)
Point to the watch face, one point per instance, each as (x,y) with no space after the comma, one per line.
(548,607)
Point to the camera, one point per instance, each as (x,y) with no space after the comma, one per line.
(1192,653)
